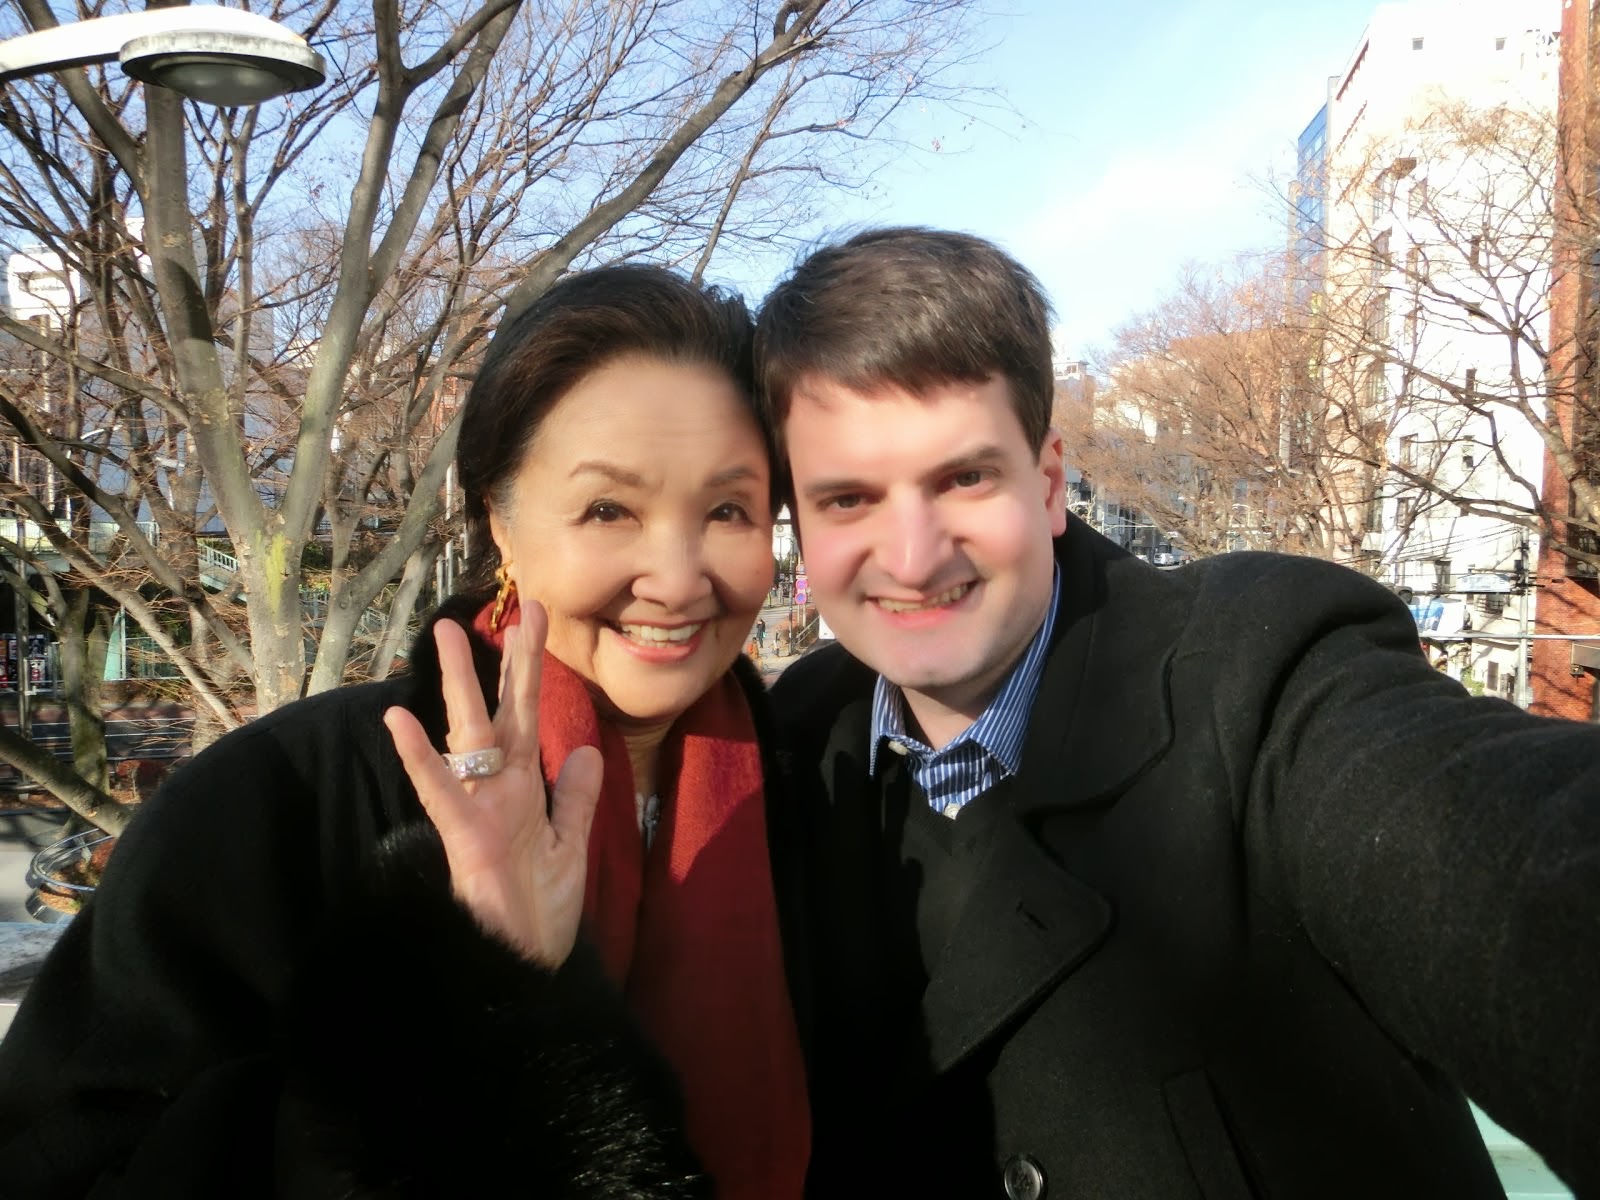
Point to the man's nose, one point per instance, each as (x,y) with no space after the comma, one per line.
(917,545)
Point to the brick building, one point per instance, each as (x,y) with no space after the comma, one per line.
(1566,673)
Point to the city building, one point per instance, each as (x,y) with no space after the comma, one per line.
(1566,663)
(1422,244)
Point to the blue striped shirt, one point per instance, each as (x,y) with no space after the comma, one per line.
(988,750)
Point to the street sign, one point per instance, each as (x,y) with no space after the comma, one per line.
(1483,583)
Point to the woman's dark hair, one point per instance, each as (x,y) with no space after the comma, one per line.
(581,324)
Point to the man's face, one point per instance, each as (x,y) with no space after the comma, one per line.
(926,521)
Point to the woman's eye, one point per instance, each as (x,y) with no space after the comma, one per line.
(605,512)
(729,512)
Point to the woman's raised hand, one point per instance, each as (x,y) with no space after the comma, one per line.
(516,862)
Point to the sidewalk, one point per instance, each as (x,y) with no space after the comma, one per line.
(22,835)
(772,663)
(23,941)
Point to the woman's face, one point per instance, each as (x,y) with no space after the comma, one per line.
(640,520)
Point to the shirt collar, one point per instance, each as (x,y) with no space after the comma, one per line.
(999,729)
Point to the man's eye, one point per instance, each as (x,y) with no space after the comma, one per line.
(966,479)
(851,500)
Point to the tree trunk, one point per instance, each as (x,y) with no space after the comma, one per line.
(83,639)
(418,567)
(64,783)
(277,623)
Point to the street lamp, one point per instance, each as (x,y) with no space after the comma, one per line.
(221,56)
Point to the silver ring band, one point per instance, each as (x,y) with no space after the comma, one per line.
(476,764)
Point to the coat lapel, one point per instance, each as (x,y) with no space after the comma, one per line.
(1101,717)
(1103,712)
(1026,925)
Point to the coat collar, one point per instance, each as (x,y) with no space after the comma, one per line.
(1101,718)
(1103,712)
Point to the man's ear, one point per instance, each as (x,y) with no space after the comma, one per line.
(1053,473)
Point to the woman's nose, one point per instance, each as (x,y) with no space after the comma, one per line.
(673,571)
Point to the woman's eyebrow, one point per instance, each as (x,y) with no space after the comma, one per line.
(614,473)
(731,475)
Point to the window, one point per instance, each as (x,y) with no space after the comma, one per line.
(1418,198)
(1491,676)
(1416,43)
(1408,450)
(1492,604)
(1380,185)
(1376,391)
(1377,315)
(1405,510)
(1475,251)
(1441,576)
(1500,43)
(1469,385)
(1469,458)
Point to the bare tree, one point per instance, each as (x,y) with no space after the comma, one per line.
(268,313)
(1437,345)
(1209,424)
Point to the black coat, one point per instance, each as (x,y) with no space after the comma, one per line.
(1266,891)
(274,994)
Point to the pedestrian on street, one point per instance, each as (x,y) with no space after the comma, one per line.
(761,635)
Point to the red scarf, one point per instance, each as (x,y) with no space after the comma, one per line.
(690,929)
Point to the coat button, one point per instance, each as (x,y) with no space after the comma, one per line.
(1024,1178)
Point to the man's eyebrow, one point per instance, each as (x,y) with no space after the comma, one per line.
(967,460)
(979,456)
(614,473)
(830,487)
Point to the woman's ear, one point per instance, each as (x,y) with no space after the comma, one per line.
(500,534)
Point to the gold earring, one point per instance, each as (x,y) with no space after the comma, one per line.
(506,593)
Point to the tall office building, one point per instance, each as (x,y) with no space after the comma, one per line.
(1420,242)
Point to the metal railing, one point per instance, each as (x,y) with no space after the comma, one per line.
(32,538)
(210,556)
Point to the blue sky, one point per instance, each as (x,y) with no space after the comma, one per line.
(1148,136)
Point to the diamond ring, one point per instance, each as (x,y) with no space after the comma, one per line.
(476,764)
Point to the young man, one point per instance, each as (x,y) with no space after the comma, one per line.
(1141,883)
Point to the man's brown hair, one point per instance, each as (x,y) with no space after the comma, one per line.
(910,307)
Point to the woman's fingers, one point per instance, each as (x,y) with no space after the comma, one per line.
(516,722)
(442,798)
(576,796)
(469,725)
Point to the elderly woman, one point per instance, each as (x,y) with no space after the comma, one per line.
(330,960)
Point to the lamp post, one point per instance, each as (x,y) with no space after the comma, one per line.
(221,56)
(213,55)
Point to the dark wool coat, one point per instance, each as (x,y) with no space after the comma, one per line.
(274,995)
(1266,891)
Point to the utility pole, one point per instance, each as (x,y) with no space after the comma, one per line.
(20,620)
(1523,590)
